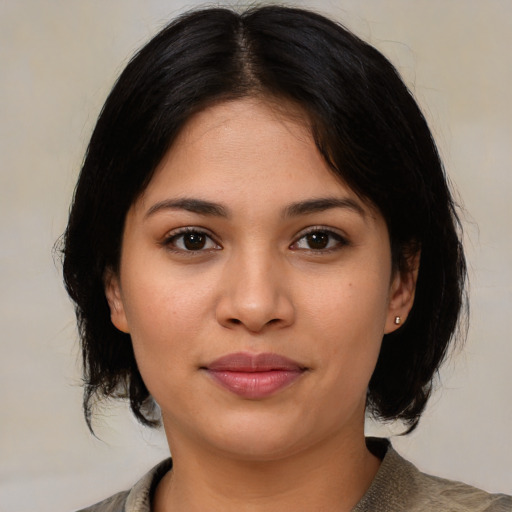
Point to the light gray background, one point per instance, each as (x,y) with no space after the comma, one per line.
(58,60)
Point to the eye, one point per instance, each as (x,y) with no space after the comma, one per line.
(190,240)
(319,240)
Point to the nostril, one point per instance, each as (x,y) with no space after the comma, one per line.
(235,321)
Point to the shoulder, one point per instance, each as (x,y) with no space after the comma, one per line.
(138,498)
(400,487)
(457,496)
(115,503)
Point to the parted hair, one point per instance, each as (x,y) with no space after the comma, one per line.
(365,123)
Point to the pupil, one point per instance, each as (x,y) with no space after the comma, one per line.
(318,240)
(194,241)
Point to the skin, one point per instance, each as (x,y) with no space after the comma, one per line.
(257,284)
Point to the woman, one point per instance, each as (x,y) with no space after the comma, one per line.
(263,243)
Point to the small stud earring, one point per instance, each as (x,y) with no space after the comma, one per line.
(397,320)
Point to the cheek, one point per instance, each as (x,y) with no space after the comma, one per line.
(349,305)
(347,319)
(157,294)
(164,315)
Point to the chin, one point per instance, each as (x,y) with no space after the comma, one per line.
(260,448)
(260,439)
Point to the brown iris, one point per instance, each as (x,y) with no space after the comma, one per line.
(194,241)
(318,240)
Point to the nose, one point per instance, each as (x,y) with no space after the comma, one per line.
(255,294)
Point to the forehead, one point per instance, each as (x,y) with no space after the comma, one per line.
(244,129)
(227,146)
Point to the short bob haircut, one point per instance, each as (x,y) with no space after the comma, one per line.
(366,125)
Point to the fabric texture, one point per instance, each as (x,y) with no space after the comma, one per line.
(398,486)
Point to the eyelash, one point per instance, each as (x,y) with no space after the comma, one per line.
(169,241)
(340,240)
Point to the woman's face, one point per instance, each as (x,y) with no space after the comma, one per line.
(256,287)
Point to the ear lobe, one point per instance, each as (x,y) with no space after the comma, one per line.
(115,301)
(402,291)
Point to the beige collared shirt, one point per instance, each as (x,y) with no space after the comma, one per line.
(398,487)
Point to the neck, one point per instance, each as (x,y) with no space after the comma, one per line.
(330,477)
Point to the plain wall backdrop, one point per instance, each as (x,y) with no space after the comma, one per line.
(59,59)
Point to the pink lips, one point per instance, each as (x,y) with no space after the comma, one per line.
(254,375)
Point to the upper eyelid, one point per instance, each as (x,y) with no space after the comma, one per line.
(188,229)
(341,240)
(174,233)
(327,229)
(301,234)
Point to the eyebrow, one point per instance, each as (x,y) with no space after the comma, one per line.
(199,206)
(209,208)
(322,204)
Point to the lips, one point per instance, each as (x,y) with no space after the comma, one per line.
(254,376)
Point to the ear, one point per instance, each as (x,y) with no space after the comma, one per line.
(115,301)
(401,298)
